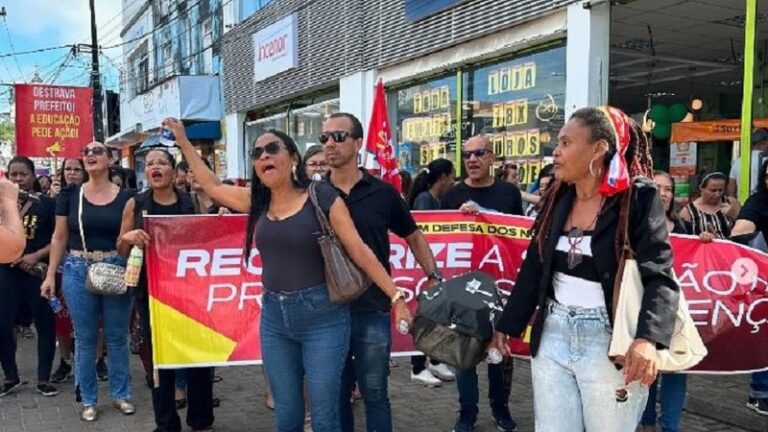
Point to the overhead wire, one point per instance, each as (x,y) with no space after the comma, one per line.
(10,41)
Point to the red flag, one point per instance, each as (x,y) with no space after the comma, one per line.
(379,141)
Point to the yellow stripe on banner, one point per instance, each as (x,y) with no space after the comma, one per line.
(178,339)
(527,336)
(481,228)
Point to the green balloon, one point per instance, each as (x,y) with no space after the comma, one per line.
(659,113)
(662,130)
(677,112)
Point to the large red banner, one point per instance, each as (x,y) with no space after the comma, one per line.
(206,302)
(53,121)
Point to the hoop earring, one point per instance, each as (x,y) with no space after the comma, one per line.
(592,169)
(295,176)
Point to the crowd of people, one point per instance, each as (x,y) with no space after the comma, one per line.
(319,354)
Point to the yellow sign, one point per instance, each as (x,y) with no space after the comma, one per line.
(432,151)
(432,100)
(509,114)
(417,129)
(512,78)
(54,149)
(524,143)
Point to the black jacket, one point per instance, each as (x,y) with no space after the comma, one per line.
(649,240)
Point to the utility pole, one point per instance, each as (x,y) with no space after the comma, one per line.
(98,123)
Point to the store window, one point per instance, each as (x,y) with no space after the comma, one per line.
(257,127)
(307,123)
(425,121)
(519,104)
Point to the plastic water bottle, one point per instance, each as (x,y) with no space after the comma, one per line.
(494,356)
(56,305)
(167,138)
(403,327)
(133,269)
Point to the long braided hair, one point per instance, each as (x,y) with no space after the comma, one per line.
(639,163)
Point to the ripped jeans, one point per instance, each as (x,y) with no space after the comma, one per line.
(575,386)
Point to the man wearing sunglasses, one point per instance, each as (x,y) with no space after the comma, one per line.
(376,209)
(481,191)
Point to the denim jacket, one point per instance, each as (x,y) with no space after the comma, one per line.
(649,240)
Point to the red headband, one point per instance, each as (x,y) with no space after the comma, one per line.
(616,178)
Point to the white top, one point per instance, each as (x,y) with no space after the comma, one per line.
(755,162)
(580,286)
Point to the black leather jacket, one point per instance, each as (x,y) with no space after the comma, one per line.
(648,239)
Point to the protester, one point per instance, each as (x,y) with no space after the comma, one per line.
(298,320)
(204,204)
(181,176)
(11,230)
(98,203)
(405,183)
(759,151)
(73,172)
(673,385)
(428,187)
(546,175)
(315,163)
(569,274)
(20,284)
(117,176)
(508,173)
(713,211)
(163,198)
(753,218)
(480,191)
(45,184)
(376,209)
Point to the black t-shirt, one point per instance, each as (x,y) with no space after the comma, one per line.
(755,210)
(501,196)
(101,222)
(294,240)
(376,209)
(39,222)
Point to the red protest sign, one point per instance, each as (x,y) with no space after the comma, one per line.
(206,302)
(53,121)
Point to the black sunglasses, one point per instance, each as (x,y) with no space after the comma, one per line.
(336,136)
(272,148)
(96,151)
(478,153)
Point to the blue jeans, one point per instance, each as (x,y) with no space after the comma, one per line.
(672,400)
(368,362)
(304,335)
(759,385)
(88,311)
(499,387)
(575,386)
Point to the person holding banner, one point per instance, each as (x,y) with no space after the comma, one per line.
(87,228)
(303,334)
(712,211)
(569,274)
(753,218)
(11,231)
(481,191)
(163,198)
(377,209)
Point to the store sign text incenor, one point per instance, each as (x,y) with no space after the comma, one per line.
(205,298)
(276,48)
(52,120)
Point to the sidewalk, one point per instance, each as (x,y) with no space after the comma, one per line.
(716,404)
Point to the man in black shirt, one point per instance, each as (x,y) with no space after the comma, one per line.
(376,208)
(480,191)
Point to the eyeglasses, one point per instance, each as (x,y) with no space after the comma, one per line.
(575,236)
(478,153)
(73,169)
(336,136)
(272,148)
(317,164)
(96,151)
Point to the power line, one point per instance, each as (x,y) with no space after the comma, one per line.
(39,50)
(10,41)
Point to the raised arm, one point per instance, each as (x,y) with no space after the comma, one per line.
(233,197)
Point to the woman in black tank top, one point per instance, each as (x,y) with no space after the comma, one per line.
(163,198)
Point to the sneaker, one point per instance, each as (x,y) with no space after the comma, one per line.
(442,371)
(465,423)
(426,378)
(759,406)
(89,414)
(504,422)
(47,390)
(101,370)
(62,374)
(8,387)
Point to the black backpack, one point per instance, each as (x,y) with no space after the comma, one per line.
(454,320)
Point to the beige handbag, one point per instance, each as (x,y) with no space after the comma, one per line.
(686,348)
(345,280)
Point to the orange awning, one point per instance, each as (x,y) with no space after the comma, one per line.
(713,130)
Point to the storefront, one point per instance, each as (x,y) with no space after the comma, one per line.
(516,100)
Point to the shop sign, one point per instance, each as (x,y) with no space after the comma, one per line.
(276,48)
(682,166)
(53,121)
(715,130)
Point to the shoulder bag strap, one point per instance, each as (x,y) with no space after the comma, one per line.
(25,208)
(80,217)
(626,253)
(324,224)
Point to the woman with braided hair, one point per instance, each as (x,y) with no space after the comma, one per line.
(601,194)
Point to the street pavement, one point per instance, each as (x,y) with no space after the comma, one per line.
(715,403)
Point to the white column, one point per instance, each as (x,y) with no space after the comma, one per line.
(356,95)
(587,56)
(235,132)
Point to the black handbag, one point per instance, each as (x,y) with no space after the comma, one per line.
(454,320)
